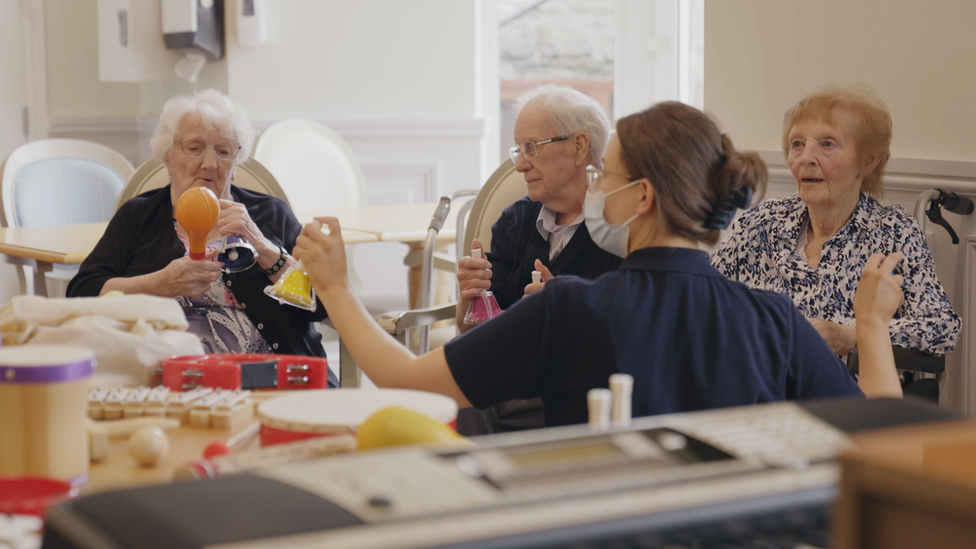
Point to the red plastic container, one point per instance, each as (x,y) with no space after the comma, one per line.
(32,495)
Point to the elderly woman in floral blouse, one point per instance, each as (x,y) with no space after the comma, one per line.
(813,245)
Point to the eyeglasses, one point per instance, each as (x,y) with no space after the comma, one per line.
(196,148)
(530,149)
(595,175)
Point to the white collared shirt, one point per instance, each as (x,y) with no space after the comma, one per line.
(557,235)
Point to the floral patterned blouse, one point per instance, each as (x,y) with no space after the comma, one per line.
(764,250)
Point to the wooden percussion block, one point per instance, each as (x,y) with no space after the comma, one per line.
(180,411)
(199,418)
(228,417)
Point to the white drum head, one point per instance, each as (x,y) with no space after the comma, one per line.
(343,410)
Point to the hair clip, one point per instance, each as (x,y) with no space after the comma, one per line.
(722,215)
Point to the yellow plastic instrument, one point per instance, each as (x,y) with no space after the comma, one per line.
(396,426)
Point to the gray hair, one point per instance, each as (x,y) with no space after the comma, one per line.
(218,113)
(571,111)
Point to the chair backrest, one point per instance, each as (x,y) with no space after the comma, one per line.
(313,164)
(61,181)
(250,175)
(504,187)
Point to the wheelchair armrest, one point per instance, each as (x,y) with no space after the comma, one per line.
(397,322)
(906,359)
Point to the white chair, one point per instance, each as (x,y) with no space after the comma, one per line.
(313,164)
(504,187)
(58,182)
(317,168)
(250,175)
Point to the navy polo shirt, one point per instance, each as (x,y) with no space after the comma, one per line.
(691,338)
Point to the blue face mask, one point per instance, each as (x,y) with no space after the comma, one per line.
(611,238)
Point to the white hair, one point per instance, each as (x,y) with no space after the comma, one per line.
(218,113)
(571,111)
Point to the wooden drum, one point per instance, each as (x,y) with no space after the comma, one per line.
(43,392)
(319,413)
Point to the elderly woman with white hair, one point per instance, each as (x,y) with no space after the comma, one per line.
(201,139)
(559,132)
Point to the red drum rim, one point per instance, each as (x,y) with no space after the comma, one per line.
(32,495)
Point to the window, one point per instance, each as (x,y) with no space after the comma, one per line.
(625,54)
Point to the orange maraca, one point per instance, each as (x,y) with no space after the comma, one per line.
(197,212)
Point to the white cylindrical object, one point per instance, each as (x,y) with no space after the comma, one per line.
(536,277)
(476,253)
(598,403)
(622,389)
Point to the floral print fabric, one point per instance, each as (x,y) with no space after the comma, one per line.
(763,251)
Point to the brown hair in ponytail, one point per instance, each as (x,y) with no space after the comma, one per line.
(692,165)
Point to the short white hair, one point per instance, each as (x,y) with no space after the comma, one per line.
(572,111)
(218,113)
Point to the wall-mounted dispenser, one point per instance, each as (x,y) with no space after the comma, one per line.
(252,30)
(146,39)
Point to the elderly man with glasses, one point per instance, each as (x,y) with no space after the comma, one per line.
(559,132)
(201,139)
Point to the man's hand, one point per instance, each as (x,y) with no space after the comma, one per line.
(474,275)
(532,287)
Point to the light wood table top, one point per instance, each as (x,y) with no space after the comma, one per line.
(944,451)
(119,470)
(67,244)
(399,223)
(71,244)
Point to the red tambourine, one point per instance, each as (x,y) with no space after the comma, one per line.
(245,371)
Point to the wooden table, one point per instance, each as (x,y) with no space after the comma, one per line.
(399,223)
(406,223)
(42,247)
(909,487)
(120,470)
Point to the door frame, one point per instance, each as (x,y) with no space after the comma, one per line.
(35,68)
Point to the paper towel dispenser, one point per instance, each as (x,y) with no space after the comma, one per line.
(197,24)
(141,40)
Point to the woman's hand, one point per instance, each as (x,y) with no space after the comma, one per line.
(532,287)
(186,277)
(839,337)
(323,254)
(877,299)
(474,275)
(234,219)
(879,293)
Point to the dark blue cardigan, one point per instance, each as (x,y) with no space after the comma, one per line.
(516,244)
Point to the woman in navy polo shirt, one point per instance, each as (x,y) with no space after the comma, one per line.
(691,338)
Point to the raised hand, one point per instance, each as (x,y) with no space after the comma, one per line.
(879,293)
(532,287)
(474,275)
(323,254)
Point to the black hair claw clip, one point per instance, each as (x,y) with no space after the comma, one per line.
(737,198)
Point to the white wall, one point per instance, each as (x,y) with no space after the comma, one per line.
(762,56)
(370,59)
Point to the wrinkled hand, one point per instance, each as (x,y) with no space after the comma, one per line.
(840,338)
(532,287)
(323,254)
(474,275)
(234,219)
(187,277)
(879,293)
